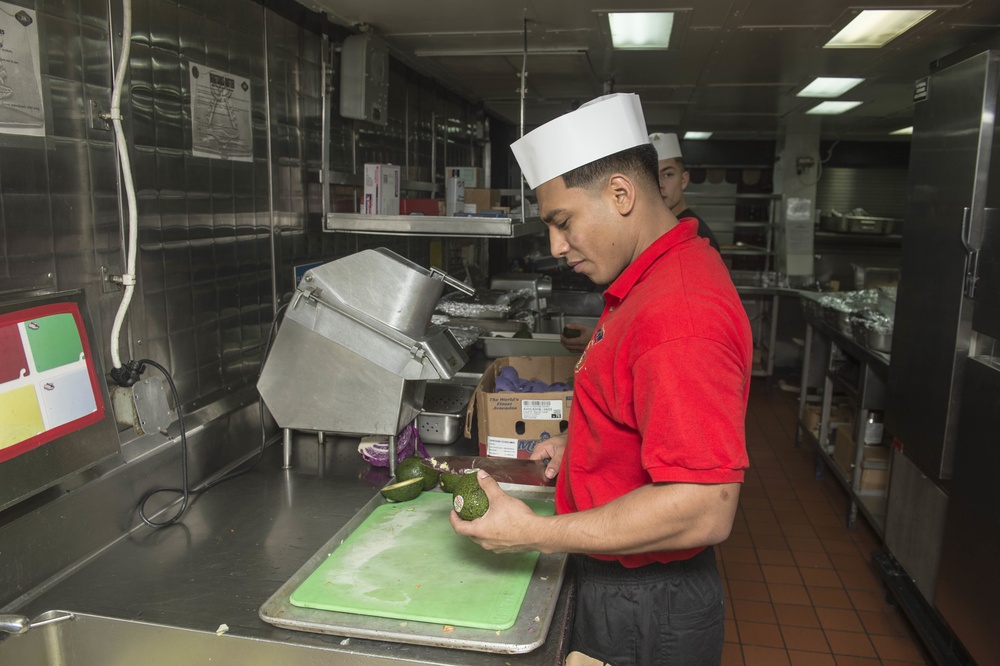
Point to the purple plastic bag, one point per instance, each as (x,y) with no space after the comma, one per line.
(376,451)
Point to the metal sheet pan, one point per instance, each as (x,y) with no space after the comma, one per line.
(528,633)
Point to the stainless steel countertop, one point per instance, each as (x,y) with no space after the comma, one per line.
(240,541)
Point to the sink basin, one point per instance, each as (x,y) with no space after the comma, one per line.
(93,640)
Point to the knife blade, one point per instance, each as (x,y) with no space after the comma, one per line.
(503,470)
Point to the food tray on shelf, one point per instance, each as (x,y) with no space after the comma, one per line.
(502,345)
(442,419)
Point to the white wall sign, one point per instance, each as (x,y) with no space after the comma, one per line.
(21,109)
(220,114)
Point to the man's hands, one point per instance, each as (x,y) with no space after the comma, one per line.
(551,449)
(580,342)
(507,527)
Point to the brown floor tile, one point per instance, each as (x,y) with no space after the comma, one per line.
(868,601)
(846,660)
(732,655)
(829,597)
(890,648)
(749,590)
(806,544)
(754,655)
(777,575)
(850,643)
(744,571)
(795,595)
(755,503)
(731,635)
(793,615)
(811,658)
(753,611)
(759,528)
(742,540)
(739,554)
(796,517)
(840,546)
(797,530)
(805,639)
(849,562)
(839,619)
(759,515)
(780,557)
(770,541)
(760,633)
(820,578)
(863,580)
(816,559)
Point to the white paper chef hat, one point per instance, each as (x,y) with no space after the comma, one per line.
(601,127)
(667,146)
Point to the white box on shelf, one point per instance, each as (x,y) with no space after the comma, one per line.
(381,196)
(454,195)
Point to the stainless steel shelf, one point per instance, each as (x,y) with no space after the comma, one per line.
(431,225)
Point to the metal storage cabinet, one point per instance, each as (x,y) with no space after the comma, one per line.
(948,187)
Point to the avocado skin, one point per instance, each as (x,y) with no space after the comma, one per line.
(571,332)
(469,499)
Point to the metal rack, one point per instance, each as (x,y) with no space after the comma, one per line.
(432,225)
(865,391)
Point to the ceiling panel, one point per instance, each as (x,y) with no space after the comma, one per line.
(733,68)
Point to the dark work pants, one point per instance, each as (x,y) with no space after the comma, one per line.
(655,615)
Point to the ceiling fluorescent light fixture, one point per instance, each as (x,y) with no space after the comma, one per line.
(640,30)
(906,131)
(874,28)
(828,87)
(697,136)
(831,108)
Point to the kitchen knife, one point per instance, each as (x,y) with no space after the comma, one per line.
(503,470)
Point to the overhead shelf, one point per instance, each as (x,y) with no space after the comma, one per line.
(432,225)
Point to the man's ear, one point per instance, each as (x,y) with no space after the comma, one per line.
(623,193)
(685,179)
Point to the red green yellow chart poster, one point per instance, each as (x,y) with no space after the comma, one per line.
(48,384)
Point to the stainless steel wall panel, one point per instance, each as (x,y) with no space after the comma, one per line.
(28,219)
(23,170)
(103,169)
(59,43)
(66,107)
(96,57)
(141,127)
(163,25)
(68,171)
(71,228)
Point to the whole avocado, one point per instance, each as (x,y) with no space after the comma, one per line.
(469,499)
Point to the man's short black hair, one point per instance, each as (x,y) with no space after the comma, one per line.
(638,161)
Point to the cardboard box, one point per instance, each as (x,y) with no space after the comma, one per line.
(483,199)
(471,176)
(810,417)
(381,195)
(510,425)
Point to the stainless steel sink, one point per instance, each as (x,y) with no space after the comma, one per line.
(93,640)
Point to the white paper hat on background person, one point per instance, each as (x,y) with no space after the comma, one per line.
(667,146)
(601,127)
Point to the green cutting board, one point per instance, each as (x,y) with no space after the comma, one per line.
(405,561)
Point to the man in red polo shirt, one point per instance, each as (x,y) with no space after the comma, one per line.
(650,467)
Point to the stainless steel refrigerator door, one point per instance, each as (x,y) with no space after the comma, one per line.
(986,317)
(948,183)
(968,578)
